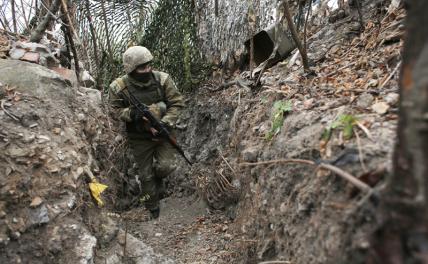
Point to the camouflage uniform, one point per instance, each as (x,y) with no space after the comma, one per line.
(155,157)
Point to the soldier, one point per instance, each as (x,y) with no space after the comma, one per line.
(155,156)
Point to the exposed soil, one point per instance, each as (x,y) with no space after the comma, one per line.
(228,208)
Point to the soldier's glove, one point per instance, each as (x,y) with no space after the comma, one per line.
(158,109)
(154,109)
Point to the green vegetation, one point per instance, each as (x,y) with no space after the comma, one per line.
(279,110)
(345,123)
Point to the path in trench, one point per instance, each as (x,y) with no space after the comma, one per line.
(187,232)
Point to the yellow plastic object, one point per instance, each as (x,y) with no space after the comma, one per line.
(95,187)
(96,190)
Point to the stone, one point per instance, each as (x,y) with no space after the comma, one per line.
(94,95)
(33,79)
(67,74)
(380,108)
(85,250)
(36,202)
(16,54)
(33,57)
(392,98)
(39,215)
(16,152)
(250,154)
(308,104)
(365,100)
(108,230)
(373,83)
(41,139)
(87,79)
(37,53)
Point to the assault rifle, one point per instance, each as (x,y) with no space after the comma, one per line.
(154,123)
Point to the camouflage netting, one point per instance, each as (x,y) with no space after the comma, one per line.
(167,28)
(126,20)
(171,36)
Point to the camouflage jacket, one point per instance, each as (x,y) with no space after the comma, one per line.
(160,89)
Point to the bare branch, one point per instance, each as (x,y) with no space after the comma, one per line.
(295,35)
(37,34)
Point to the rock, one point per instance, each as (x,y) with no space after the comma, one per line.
(392,98)
(109,230)
(94,95)
(34,80)
(33,52)
(372,83)
(87,79)
(380,107)
(308,104)
(85,250)
(250,154)
(36,202)
(17,152)
(39,215)
(33,57)
(81,117)
(365,100)
(67,74)
(16,54)
(42,139)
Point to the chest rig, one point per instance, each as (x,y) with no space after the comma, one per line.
(147,93)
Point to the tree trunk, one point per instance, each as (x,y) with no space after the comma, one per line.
(404,237)
(15,28)
(66,20)
(37,34)
(94,36)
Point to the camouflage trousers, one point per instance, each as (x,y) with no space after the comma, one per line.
(156,160)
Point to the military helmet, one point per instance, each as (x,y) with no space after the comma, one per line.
(135,56)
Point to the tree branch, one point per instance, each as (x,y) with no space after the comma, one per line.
(295,35)
(37,34)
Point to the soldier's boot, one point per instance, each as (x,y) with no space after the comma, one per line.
(150,197)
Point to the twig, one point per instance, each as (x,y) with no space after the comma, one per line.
(37,34)
(227,163)
(365,130)
(341,68)
(276,262)
(305,44)
(345,175)
(390,76)
(267,62)
(124,243)
(7,113)
(360,151)
(308,162)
